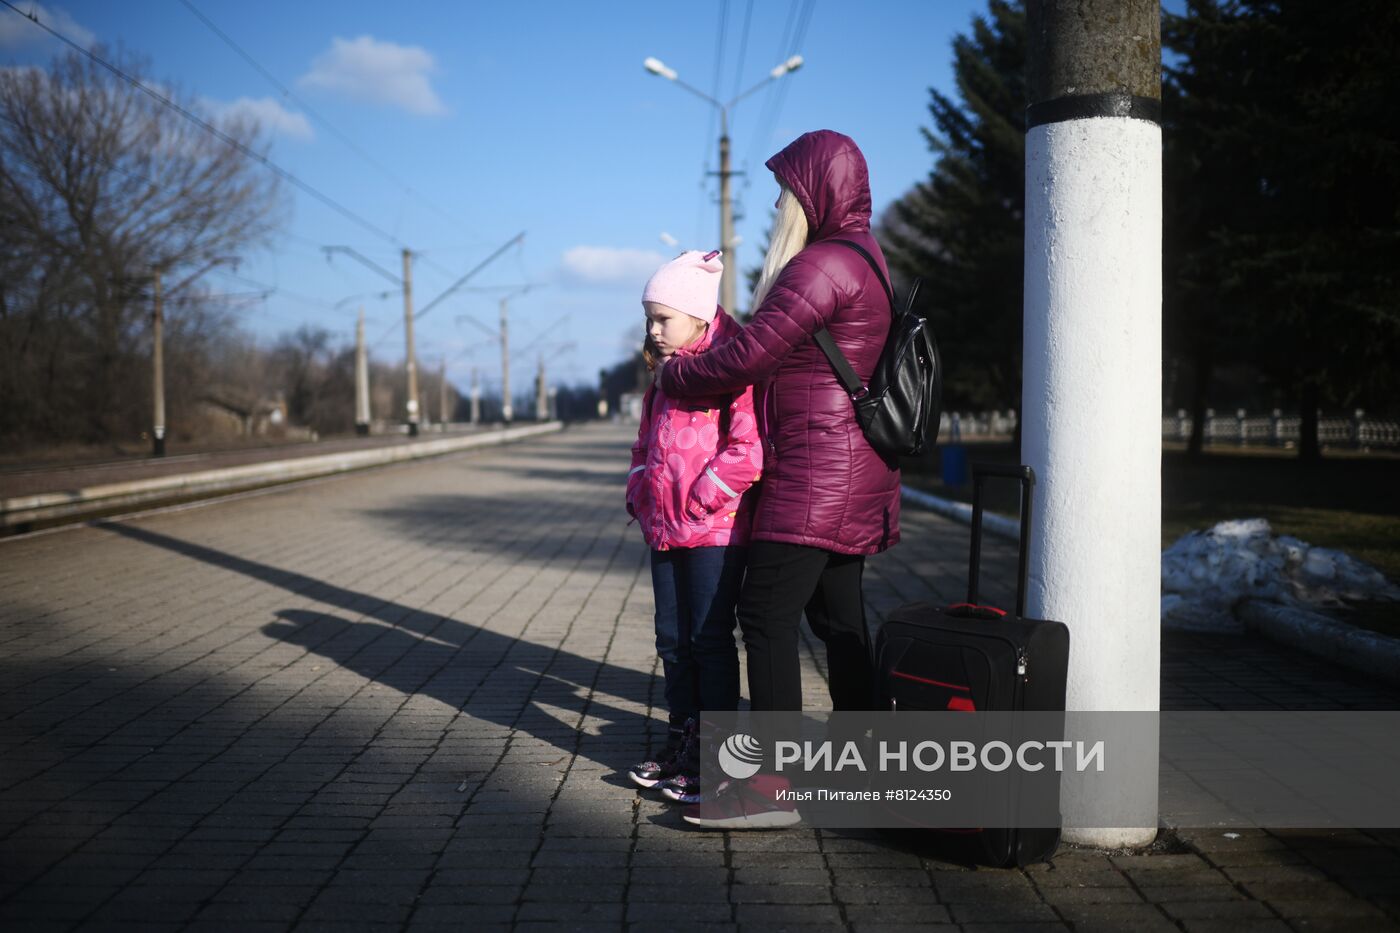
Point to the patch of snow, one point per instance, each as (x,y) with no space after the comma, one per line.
(1205,574)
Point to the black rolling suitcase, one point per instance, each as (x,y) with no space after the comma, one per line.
(974,657)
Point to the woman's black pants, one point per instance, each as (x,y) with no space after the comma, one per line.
(781,582)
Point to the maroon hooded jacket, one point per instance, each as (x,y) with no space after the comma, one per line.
(823,484)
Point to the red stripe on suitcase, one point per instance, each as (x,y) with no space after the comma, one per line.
(972,608)
(925,680)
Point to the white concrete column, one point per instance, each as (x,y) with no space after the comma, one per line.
(1092,348)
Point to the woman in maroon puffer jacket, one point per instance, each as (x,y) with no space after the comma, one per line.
(827,498)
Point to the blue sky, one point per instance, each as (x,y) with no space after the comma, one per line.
(530,116)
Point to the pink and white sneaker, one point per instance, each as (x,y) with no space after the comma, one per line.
(752,804)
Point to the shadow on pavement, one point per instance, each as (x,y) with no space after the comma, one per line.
(417,652)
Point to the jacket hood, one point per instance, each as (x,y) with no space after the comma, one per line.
(721,329)
(827,172)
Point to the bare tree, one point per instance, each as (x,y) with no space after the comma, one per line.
(317,379)
(100,184)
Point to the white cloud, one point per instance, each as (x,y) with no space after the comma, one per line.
(268,113)
(379,72)
(17,32)
(606,265)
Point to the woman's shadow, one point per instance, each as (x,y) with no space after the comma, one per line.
(491,677)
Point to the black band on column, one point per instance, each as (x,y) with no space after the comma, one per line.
(1084,106)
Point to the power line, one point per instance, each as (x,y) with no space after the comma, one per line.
(800,37)
(794,33)
(279,290)
(214,131)
(743,49)
(474,270)
(719,46)
(784,47)
(436,266)
(334,130)
(53,140)
(451,288)
(266,289)
(710,123)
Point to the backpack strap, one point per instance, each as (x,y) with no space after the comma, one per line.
(889,292)
(844,373)
(847,376)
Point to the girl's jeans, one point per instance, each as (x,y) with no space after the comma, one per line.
(696,590)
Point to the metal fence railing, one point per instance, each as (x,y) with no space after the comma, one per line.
(1242,429)
(962,425)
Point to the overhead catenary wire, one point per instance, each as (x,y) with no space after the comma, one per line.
(232,142)
(452,288)
(719,46)
(794,31)
(160,186)
(266,290)
(799,37)
(473,271)
(784,44)
(317,116)
(274,289)
(331,127)
(208,127)
(743,48)
(710,123)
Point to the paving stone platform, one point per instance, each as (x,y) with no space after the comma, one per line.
(402,700)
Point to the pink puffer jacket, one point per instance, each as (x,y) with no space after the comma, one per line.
(693,461)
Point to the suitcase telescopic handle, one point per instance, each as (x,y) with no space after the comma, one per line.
(1026,476)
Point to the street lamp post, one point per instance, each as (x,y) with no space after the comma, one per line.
(726,209)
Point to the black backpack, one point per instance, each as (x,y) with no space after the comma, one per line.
(901,406)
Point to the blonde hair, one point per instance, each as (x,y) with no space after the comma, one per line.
(787,239)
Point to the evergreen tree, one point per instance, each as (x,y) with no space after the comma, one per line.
(962,229)
(1288,112)
(1207,186)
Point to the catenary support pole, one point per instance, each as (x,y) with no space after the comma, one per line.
(541,393)
(1092,371)
(726,220)
(444,415)
(410,360)
(361,378)
(507,409)
(157,367)
(476,396)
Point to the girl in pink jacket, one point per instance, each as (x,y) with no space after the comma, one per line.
(692,464)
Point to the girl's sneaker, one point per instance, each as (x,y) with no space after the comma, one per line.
(684,785)
(665,766)
(683,788)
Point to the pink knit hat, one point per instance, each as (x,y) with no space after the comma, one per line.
(689,283)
